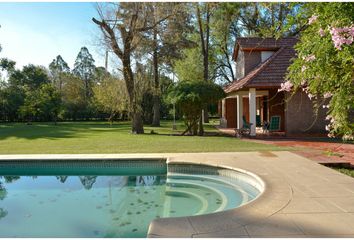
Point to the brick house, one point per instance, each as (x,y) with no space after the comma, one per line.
(261,65)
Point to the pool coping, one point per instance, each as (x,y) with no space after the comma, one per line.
(301,198)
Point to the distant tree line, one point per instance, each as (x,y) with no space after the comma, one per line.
(58,93)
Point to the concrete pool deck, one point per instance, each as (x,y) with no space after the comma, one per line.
(301,197)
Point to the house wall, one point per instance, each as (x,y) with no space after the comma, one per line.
(301,117)
(276,106)
(240,64)
(251,59)
(230,113)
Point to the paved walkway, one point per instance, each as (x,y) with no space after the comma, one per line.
(317,149)
(300,199)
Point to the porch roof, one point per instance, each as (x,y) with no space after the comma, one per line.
(269,73)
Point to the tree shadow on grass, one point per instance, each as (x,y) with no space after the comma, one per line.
(61,130)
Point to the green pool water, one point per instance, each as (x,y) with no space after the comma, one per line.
(113,201)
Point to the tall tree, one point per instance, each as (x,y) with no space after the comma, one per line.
(123,32)
(166,42)
(203,13)
(57,67)
(84,67)
(224,25)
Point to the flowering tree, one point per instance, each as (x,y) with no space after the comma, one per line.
(324,67)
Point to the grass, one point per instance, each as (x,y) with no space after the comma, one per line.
(347,171)
(100,137)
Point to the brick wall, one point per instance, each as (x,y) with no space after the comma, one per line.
(301,117)
(276,106)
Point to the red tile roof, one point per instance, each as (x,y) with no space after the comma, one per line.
(271,72)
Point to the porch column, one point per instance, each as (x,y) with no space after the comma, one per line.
(223,106)
(239,111)
(252,108)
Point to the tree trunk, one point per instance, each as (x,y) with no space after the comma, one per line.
(137,123)
(156,98)
(204,40)
(201,128)
(206,114)
(135,112)
(156,109)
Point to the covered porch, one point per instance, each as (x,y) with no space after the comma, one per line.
(255,106)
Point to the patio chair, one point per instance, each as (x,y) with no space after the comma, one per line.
(245,130)
(274,124)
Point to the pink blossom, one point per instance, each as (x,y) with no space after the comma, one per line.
(328,127)
(328,117)
(310,96)
(327,95)
(303,82)
(312,19)
(285,86)
(325,106)
(331,135)
(321,32)
(342,36)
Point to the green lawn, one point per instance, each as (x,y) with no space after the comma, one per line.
(100,137)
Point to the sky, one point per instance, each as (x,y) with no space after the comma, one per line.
(37,32)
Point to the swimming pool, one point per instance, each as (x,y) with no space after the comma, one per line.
(111,198)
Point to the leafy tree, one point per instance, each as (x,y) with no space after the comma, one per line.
(73,97)
(30,76)
(19,93)
(57,67)
(189,67)
(111,96)
(11,99)
(324,64)
(190,97)
(84,67)
(49,102)
(30,107)
(7,65)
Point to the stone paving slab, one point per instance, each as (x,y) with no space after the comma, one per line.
(301,198)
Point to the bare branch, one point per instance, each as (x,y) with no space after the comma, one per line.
(111,35)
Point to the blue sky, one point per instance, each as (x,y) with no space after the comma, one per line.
(38,32)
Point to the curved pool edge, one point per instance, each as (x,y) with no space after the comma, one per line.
(275,196)
(231,223)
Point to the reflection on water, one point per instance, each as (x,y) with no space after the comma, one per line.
(62,179)
(79,206)
(88,181)
(109,206)
(3,191)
